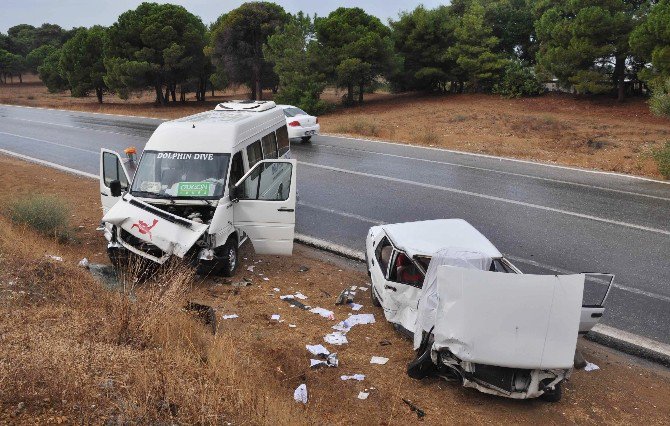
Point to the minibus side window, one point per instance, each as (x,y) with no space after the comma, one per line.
(269,146)
(283,144)
(236,169)
(254,153)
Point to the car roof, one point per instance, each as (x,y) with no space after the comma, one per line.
(213,131)
(425,238)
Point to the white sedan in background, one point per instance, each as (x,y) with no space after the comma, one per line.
(300,124)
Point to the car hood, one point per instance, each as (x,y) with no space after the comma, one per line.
(171,233)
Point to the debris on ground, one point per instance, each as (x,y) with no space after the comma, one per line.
(346,296)
(303,269)
(244,283)
(297,295)
(363,288)
(274,317)
(353,320)
(276,289)
(330,361)
(378,360)
(292,325)
(323,312)
(359,377)
(355,306)
(419,412)
(56,258)
(384,343)
(294,303)
(83,263)
(317,350)
(250,268)
(230,316)
(336,338)
(591,367)
(579,361)
(363,395)
(300,393)
(106,275)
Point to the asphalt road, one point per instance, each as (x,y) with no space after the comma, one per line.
(546,219)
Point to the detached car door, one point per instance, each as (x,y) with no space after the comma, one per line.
(111,169)
(264,206)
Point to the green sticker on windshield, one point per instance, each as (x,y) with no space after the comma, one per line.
(194,189)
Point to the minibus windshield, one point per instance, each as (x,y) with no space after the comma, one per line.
(181,175)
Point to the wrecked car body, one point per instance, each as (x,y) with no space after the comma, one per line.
(204,185)
(474,316)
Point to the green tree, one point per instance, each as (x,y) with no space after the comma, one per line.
(11,65)
(155,45)
(651,40)
(474,50)
(82,62)
(350,34)
(297,61)
(421,38)
(51,73)
(512,22)
(518,80)
(586,42)
(237,44)
(37,56)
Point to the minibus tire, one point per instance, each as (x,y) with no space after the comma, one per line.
(229,260)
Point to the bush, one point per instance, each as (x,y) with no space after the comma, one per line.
(659,103)
(518,80)
(662,157)
(45,213)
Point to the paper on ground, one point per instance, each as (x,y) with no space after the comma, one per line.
(250,268)
(591,367)
(336,338)
(56,258)
(231,316)
(363,288)
(363,395)
(378,360)
(315,362)
(300,296)
(353,320)
(317,349)
(355,306)
(300,393)
(323,312)
(358,377)
(275,317)
(292,325)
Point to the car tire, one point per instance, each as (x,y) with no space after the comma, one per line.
(375,301)
(306,139)
(228,258)
(553,395)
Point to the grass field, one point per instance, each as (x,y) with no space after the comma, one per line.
(74,352)
(557,128)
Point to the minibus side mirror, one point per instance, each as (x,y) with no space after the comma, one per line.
(115,188)
(236,192)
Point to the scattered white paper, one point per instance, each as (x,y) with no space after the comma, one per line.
(358,377)
(317,349)
(591,367)
(300,296)
(276,289)
(323,312)
(363,395)
(355,306)
(363,288)
(300,393)
(286,296)
(292,325)
(275,317)
(353,320)
(56,258)
(266,279)
(336,338)
(378,360)
(231,316)
(250,268)
(83,263)
(353,288)
(315,362)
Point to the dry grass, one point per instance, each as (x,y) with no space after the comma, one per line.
(73,352)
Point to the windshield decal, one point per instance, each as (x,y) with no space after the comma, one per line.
(185,156)
(144,228)
(194,189)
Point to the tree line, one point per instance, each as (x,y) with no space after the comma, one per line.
(510,47)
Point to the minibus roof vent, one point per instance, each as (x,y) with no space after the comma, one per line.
(252,106)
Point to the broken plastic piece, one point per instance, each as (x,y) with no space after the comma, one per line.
(303,269)
(336,338)
(346,296)
(358,377)
(591,367)
(231,316)
(378,360)
(419,412)
(300,393)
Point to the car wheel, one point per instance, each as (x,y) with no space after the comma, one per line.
(306,139)
(553,395)
(375,301)
(228,262)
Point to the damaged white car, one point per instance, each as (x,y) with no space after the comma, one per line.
(474,316)
(204,184)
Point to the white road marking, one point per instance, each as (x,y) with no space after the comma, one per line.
(77,127)
(49,142)
(491,197)
(341,213)
(50,164)
(523,175)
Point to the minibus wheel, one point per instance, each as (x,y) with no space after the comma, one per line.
(228,256)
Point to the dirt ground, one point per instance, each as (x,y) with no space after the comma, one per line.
(594,133)
(268,358)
